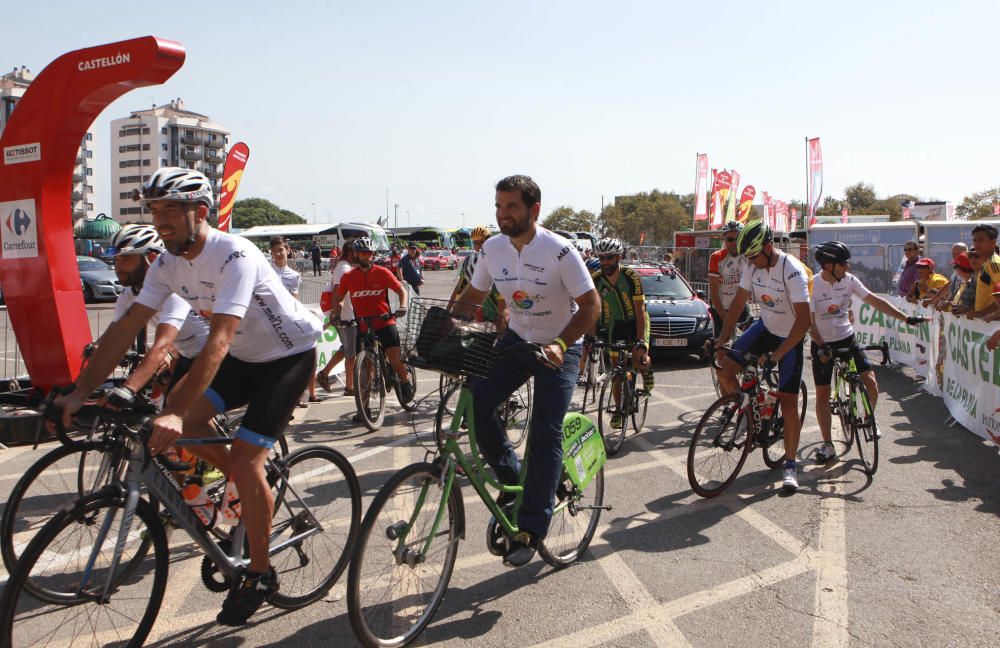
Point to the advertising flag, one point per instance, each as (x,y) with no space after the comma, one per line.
(746,203)
(795,218)
(236,161)
(906,212)
(814,185)
(720,192)
(843,215)
(996,209)
(731,205)
(700,188)
(768,215)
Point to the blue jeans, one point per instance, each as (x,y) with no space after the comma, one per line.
(550,401)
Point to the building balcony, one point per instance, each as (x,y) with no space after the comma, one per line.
(190,139)
(213,172)
(215,143)
(76,195)
(213,157)
(194,156)
(78,176)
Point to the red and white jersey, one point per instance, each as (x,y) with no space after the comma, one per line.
(369,293)
(729,269)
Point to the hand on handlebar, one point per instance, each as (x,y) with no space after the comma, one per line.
(553,355)
(913,320)
(166,429)
(400,312)
(120,397)
(766,360)
(825,354)
(62,407)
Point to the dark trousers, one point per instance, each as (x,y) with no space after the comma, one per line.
(550,401)
(316,267)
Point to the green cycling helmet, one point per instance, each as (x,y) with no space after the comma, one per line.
(753,238)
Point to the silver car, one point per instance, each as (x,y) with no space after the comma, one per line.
(100,282)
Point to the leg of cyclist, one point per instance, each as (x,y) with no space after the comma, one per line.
(822,376)
(389,336)
(753,341)
(789,379)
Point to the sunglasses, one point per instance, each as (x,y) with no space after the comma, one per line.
(729,240)
(751,257)
(910,249)
(607,257)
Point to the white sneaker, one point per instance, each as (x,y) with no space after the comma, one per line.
(790,484)
(825,453)
(878,432)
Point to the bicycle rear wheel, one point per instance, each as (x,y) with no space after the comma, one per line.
(640,403)
(774,445)
(57,559)
(842,432)
(393,586)
(515,413)
(410,404)
(719,447)
(369,390)
(865,432)
(322,492)
(611,418)
(574,521)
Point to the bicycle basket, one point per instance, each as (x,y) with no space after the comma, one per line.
(436,339)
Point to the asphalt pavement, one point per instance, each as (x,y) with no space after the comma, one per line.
(907,558)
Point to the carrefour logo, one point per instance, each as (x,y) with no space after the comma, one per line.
(18,222)
(20,229)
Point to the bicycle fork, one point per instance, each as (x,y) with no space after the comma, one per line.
(405,552)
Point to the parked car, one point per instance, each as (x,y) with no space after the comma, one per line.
(463,255)
(99,281)
(438,259)
(678,316)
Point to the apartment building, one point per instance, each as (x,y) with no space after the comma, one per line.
(13,85)
(167,135)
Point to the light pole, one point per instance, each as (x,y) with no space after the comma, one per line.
(407,218)
(314,213)
(395,214)
(463,220)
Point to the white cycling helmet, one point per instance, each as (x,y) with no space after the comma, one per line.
(181,185)
(610,246)
(135,239)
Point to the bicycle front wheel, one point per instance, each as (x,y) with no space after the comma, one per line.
(321,501)
(719,447)
(58,559)
(369,390)
(402,564)
(842,432)
(515,413)
(574,521)
(865,432)
(611,418)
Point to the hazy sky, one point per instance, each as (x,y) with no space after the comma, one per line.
(436,101)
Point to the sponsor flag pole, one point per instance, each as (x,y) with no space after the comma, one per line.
(733,199)
(700,180)
(746,203)
(236,161)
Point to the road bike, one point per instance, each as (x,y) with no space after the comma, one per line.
(374,376)
(101,564)
(621,402)
(514,413)
(734,425)
(594,372)
(709,351)
(850,404)
(406,552)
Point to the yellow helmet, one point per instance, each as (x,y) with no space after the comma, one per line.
(480,233)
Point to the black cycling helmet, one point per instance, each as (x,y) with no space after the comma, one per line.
(732,226)
(832,252)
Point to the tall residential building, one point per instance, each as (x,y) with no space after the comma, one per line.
(165,135)
(12,87)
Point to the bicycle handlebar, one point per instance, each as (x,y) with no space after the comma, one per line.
(751,360)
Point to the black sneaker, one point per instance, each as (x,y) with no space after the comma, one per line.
(407,391)
(247,597)
(522,550)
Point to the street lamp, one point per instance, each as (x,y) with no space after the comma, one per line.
(314,213)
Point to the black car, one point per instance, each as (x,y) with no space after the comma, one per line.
(678,316)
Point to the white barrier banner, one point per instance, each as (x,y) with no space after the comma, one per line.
(970,375)
(909,345)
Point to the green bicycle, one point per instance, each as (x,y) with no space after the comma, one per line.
(403,561)
(850,405)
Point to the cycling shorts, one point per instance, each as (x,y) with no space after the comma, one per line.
(181,367)
(388,336)
(271,390)
(845,349)
(623,331)
(758,340)
(717,320)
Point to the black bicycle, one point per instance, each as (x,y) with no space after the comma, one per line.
(594,371)
(374,376)
(621,401)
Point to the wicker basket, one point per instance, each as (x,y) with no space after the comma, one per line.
(435,338)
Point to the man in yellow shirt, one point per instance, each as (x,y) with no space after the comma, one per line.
(928,282)
(984,241)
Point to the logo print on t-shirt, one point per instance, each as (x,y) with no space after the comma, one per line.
(522,300)
(768,301)
(833,309)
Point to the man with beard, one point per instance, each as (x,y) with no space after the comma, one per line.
(623,312)
(551,303)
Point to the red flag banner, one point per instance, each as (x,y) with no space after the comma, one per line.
(815,183)
(795,218)
(720,192)
(906,213)
(236,161)
(746,203)
(996,209)
(843,215)
(700,188)
(768,212)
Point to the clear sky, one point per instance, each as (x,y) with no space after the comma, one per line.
(435,101)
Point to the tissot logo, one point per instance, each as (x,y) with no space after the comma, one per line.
(22,153)
(18,222)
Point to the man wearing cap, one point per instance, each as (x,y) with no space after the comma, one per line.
(911,254)
(409,266)
(960,290)
(928,282)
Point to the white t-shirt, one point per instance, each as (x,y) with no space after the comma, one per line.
(729,269)
(831,305)
(346,310)
(539,283)
(231,276)
(776,289)
(290,279)
(192,329)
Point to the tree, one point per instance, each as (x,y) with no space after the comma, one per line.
(651,217)
(978,205)
(831,207)
(565,218)
(258,211)
(860,197)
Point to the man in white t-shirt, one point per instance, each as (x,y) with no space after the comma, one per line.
(725,270)
(551,302)
(290,279)
(347,333)
(776,281)
(833,335)
(261,352)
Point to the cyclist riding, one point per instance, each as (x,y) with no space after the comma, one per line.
(725,269)
(494,308)
(177,326)
(776,281)
(552,302)
(623,311)
(368,286)
(833,335)
(260,353)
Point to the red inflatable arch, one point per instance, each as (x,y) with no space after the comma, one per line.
(41,283)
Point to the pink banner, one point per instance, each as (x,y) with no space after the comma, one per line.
(720,192)
(700,187)
(795,218)
(843,215)
(815,180)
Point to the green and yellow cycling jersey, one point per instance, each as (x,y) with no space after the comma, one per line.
(618,299)
(491,305)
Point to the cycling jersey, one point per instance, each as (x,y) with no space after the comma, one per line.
(369,292)
(231,276)
(618,299)
(192,328)
(831,306)
(491,305)
(988,277)
(290,279)
(729,269)
(540,283)
(346,310)
(776,289)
